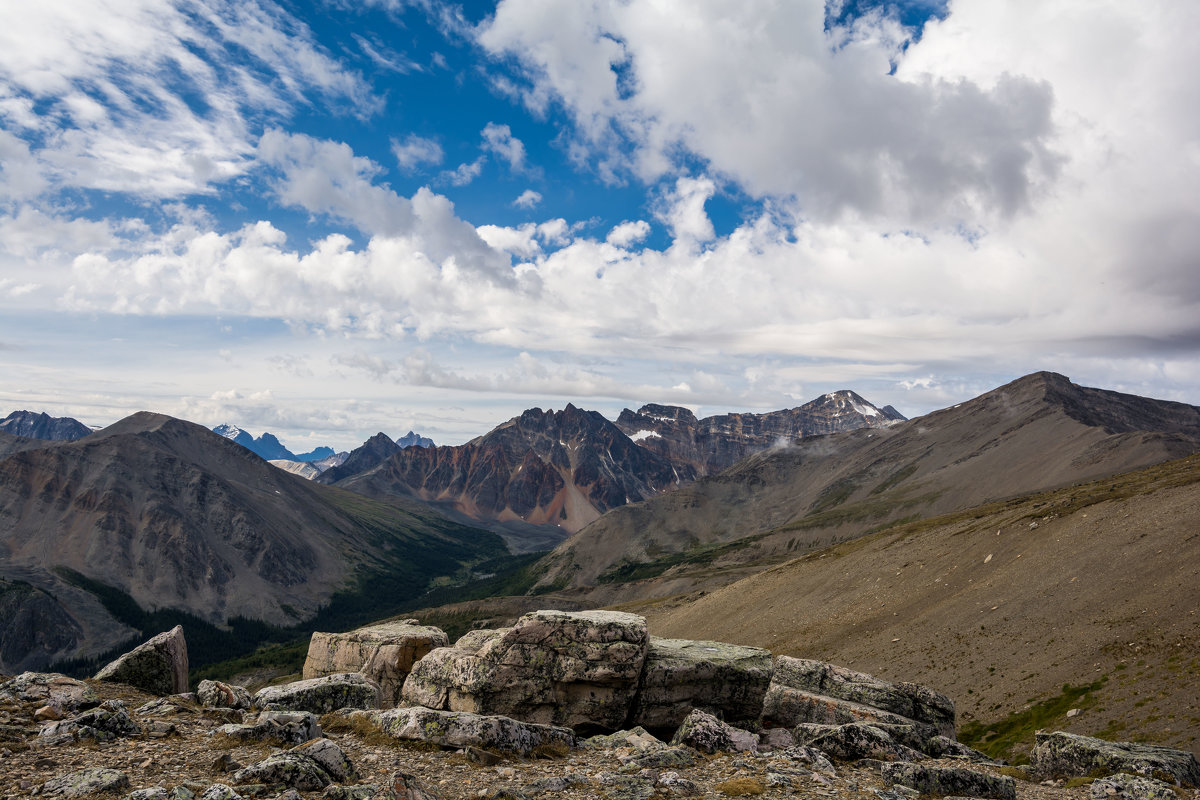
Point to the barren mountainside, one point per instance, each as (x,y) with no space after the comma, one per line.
(34,425)
(176,516)
(1038,432)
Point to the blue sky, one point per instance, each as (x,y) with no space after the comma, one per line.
(326,218)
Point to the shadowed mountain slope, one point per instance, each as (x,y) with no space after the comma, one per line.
(176,516)
(1038,432)
(1093,585)
(33,425)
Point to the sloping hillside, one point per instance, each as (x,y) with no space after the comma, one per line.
(1096,585)
(1038,432)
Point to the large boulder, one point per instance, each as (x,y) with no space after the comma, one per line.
(321,695)
(384,653)
(85,782)
(828,694)
(461,729)
(279,727)
(680,675)
(290,768)
(859,740)
(579,669)
(50,688)
(1062,754)
(107,722)
(159,666)
(1131,787)
(704,732)
(215,694)
(950,781)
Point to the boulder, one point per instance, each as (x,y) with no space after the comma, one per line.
(909,700)
(950,781)
(281,727)
(219,791)
(1132,787)
(290,769)
(331,758)
(384,653)
(579,669)
(321,695)
(680,675)
(859,740)
(85,782)
(215,694)
(790,707)
(462,729)
(704,732)
(50,688)
(1062,754)
(107,722)
(159,666)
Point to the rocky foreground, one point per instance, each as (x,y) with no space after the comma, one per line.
(593,708)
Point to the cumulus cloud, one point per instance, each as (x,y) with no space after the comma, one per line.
(464,173)
(628,233)
(528,199)
(415,150)
(498,139)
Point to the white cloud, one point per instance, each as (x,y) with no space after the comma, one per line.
(528,199)
(498,139)
(464,173)
(628,233)
(415,151)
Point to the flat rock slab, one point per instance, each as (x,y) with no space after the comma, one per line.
(910,700)
(293,769)
(51,688)
(460,729)
(321,695)
(680,675)
(579,669)
(158,666)
(788,707)
(950,781)
(859,740)
(1062,754)
(85,782)
(384,653)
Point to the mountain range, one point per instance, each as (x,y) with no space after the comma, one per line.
(35,425)
(168,514)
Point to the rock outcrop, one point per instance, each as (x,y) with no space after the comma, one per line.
(321,695)
(457,729)
(384,653)
(158,666)
(579,669)
(1060,754)
(950,781)
(216,694)
(680,675)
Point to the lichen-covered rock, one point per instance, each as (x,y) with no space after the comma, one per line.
(1062,754)
(944,747)
(107,722)
(321,695)
(215,694)
(910,700)
(150,793)
(331,758)
(858,740)
(366,791)
(85,782)
(790,707)
(1132,787)
(219,791)
(385,653)
(407,787)
(950,781)
(680,675)
(290,769)
(579,669)
(704,732)
(50,688)
(637,738)
(158,666)
(462,729)
(282,727)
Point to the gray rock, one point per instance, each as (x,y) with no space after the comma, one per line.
(944,747)
(1132,787)
(856,741)
(219,791)
(1061,754)
(909,700)
(384,653)
(85,782)
(638,738)
(107,722)
(282,727)
(659,758)
(706,733)
(321,695)
(407,787)
(461,729)
(215,694)
(151,793)
(680,675)
(790,707)
(812,757)
(776,739)
(159,666)
(331,758)
(579,669)
(50,688)
(950,781)
(365,791)
(675,784)
(290,769)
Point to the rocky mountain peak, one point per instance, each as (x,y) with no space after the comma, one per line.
(35,425)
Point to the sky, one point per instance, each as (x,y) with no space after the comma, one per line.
(328,218)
